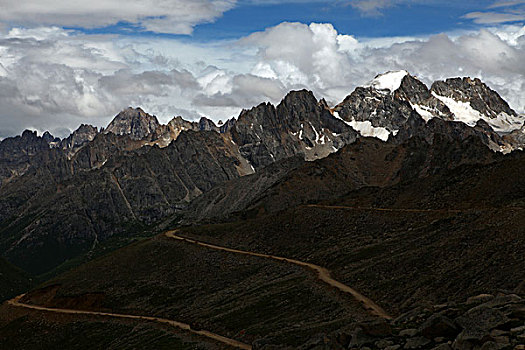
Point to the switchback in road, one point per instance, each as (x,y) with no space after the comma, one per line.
(322,273)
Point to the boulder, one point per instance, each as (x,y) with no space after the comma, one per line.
(439,326)
(482,318)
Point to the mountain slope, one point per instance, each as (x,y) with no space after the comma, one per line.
(48,219)
(368,162)
(419,225)
(13,281)
(425,240)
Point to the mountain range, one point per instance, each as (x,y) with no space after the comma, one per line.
(412,195)
(61,198)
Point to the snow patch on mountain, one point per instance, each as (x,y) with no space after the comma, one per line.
(505,123)
(366,129)
(389,81)
(423,111)
(464,112)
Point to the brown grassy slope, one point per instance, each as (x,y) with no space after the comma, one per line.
(240,297)
(403,258)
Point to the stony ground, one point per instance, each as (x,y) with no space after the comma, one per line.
(483,322)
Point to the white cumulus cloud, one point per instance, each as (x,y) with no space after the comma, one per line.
(54,79)
(161,16)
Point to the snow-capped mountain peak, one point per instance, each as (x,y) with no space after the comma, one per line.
(389,81)
(471,100)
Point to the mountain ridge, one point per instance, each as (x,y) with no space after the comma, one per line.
(137,172)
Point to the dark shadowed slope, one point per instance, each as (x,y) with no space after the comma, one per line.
(13,281)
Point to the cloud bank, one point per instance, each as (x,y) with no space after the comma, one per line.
(54,79)
(161,16)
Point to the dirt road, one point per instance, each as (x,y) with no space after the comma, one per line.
(183,326)
(322,273)
(385,209)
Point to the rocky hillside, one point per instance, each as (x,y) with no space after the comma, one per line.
(447,230)
(483,321)
(367,163)
(52,216)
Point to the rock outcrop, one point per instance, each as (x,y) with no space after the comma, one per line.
(78,138)
(19,153)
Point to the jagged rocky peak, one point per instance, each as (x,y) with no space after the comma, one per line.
(133,122)
(206,124)
(481,97)
(18,153)
(299,125)
(471,100)
(407,87)
(375,110)
(85,133)
(384,107)
(227,126)
(179,123)
(28,143)
(421,99)
(50,139)
(165,134)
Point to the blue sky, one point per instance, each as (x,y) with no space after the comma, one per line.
(392,18)
(63,63)
(401,20)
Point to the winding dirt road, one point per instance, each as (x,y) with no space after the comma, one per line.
(183,326)
(322,273)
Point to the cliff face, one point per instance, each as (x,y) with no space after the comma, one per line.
(18,154)
(298,125)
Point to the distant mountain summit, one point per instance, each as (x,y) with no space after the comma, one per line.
(133,122)
(471,100)
(383,107)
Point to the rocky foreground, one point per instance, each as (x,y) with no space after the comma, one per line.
(483,322)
